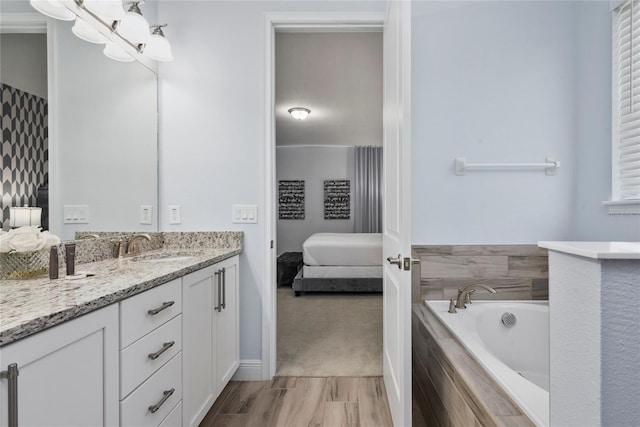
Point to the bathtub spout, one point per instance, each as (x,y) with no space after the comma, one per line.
(463,294)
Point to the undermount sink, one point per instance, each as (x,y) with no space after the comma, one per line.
(167,257)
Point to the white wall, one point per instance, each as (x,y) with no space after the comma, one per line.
(313,165)
(23,62)
(492,82)
(512,82)
(212,128)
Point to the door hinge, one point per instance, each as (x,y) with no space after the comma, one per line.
(272,244)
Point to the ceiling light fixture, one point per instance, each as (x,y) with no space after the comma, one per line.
(299,113)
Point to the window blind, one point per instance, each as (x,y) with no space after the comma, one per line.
(627,146)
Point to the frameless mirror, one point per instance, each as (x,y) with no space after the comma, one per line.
(102,145)
(104,140)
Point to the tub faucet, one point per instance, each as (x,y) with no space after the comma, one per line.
(132,247)
(464,293)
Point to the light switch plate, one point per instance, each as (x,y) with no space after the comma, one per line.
(244,214)
(146,214)
(76,214)
(175,215)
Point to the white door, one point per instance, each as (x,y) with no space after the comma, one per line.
(397,211)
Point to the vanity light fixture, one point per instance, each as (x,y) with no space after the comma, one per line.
(134,27)
(158,47)
(54,9)
(299,113)
(115,52)
(87,33)
(108,23)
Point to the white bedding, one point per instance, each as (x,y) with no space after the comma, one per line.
(343,249)
(342,272)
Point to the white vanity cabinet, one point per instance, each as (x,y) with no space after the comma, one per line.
(151,355)
(210,336)
(68,374)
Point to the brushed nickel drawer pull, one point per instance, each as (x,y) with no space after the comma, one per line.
(165,395)
(11,374)
(218,276)
(166,346)
(224,288)
(164,306)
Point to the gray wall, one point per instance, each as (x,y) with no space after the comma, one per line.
(23,62)
(313,165)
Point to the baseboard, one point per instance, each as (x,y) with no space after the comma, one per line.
(249,370)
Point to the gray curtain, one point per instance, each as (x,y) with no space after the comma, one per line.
(368,190)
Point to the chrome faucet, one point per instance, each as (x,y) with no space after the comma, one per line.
(463,294)
(132,247)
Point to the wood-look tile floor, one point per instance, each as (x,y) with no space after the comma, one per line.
(302,401)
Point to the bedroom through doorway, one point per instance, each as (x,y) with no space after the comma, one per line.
(328,202)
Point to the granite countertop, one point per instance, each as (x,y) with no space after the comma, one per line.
(30,306)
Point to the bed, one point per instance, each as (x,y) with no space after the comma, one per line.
(341,262)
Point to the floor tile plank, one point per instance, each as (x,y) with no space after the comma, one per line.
(284,382)
(371,394)
(341,389)
(341,414)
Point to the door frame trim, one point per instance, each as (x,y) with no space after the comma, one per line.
(294,22)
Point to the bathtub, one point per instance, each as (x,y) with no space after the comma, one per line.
(517,357)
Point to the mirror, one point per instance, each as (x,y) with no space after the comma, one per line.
(103,143)
(102,153)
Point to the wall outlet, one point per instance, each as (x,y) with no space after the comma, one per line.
(244,214)
(76,214)
(146,214)
(174,214)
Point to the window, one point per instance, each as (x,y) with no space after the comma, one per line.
(626,102)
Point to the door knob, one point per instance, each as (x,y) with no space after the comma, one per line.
(395,261)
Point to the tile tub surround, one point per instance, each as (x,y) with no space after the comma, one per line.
(449,386)
(516,271)
(30,306)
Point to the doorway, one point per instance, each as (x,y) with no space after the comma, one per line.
(336,77)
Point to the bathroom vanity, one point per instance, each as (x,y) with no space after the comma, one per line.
(150,340)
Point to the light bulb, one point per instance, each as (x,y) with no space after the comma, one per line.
(116,53)
(54,9)
(87,33)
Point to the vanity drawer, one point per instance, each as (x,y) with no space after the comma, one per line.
(174,419)
(136,409)
(145,356)
(144,312)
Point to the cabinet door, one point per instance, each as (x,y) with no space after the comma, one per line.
(198,346)
(68,375)
(227,324)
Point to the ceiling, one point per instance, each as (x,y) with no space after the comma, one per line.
(338,76)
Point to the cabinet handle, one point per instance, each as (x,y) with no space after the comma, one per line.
(164,306)
(165,395)
(224,288)
(166,346)
(218,275)
(11,374)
